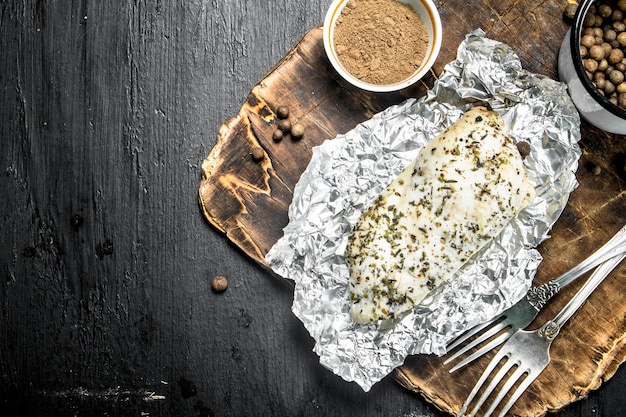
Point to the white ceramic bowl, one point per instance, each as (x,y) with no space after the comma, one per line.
(592,106)
(426,10)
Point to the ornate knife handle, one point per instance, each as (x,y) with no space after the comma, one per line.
(551,329)
(538,296)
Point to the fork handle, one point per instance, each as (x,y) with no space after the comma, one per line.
(539,295)
(551,328)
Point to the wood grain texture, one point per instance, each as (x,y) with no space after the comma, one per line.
(107,110)
(589,350)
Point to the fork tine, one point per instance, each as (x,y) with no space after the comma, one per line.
(513,379)
(486,335)
(532,375)
(506,366)
(499,356)
(471,332)
(488,347)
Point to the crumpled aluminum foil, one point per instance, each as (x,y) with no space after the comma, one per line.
(349,172)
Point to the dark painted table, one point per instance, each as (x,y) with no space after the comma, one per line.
(107,110)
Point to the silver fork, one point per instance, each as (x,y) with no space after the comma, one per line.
(524,311)
(528,352)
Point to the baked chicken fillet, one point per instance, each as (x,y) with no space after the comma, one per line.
(454,198)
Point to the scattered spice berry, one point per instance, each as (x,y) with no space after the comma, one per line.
(282,112)
(523,148)
(284,125)
(570,11)
(297,131)
(219,284)
(257,153)
(277,135)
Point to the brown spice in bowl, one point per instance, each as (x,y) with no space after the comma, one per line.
(380,41)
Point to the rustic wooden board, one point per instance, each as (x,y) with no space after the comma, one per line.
(248,199)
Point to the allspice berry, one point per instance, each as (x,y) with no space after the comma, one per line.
(588,41)
(616,77)
(257,153)
(297,131)
(616,56)
(597,52)
(570,11)
(590,65)
(219,284)
(277,135)
(284,125)
(605,10)
(609,87)
(282,112)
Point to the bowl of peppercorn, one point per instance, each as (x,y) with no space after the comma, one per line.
(592,63)
(382,45)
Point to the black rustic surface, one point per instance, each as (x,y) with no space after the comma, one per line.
(107,110)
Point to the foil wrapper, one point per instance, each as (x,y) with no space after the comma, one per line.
(346,174)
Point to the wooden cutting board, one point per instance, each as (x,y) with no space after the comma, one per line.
(247,198)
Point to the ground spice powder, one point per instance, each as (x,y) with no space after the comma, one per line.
(380,41)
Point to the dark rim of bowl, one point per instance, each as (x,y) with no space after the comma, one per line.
(579,19)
